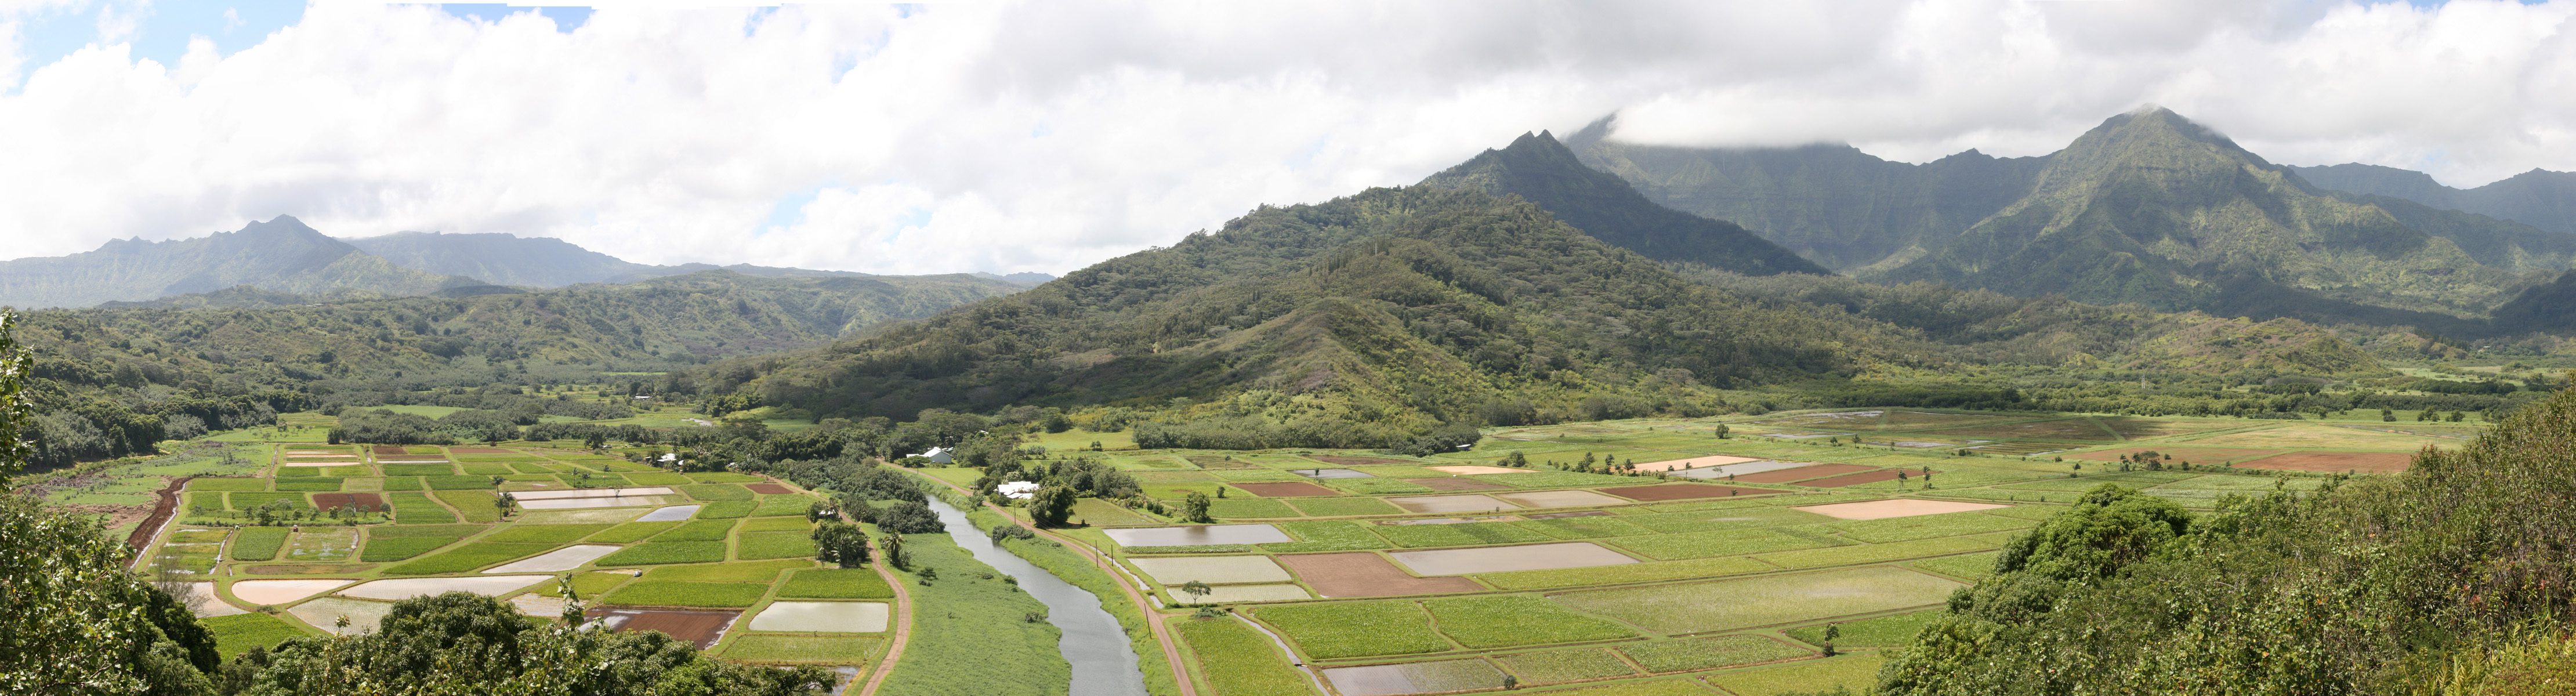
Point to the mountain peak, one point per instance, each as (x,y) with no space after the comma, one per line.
(2156,121)
(280,227)
(1538,168)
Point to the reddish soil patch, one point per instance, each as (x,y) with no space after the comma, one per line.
(1365,575)
(2363,462)
(162,509)
(478,450)
(389,449)
(1340,460)
(700,627)
(1682,491)
(1455,484)
(1285,489)
(1854,479)
(2195,455)
(327,501)
(768,489)
(1800,474)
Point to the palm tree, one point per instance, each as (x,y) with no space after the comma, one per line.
(505,501)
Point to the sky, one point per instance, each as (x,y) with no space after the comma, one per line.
(1045,136)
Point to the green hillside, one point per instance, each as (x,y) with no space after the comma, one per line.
(2153,209)
(2446,579)
(1358,320)
(1538,168)
(500,259)
(281,255)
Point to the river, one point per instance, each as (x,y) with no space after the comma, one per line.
(1104,663)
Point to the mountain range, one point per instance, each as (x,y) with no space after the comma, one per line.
(2539,198)
(284,261)
(2148,208)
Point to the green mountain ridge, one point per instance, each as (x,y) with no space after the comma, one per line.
(2148,208)
(2155,209)
(2540,198)
(1538,168)
(1361,320)
(279,255)
(1834,204)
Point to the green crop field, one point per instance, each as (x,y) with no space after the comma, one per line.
(257,543)
(1328,536)
(631,532)
(468,557)
(662,552)
(1689,654)
(1557,666)
(417,508)
(726,510)
(545,533)
(1239,661)
(765,545)
(1880,632)
(380,550)
(835,583)
(700,530)
(665,593)
(240,633)
(1508,621)
(1355,629)
(716,491)
(1725,604)
(473,505)
(798,648)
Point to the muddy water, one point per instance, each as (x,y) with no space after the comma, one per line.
(1104,663)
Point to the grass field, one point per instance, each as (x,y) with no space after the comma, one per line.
(835,583)
(1690,654)
(1355,629)
(1512,620)
(240,633)
(800,648)
(1557,666)
(663,552)
(257,543)
(1238,660)
(970,636)
(1726,604)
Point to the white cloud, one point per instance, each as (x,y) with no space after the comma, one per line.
(1046,136)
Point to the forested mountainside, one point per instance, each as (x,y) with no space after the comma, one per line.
(121,372)
(1356,321)
(2148,208)
(2539,198)
(1538,168)
(1833,204)
(501,259)
(281,255)
(2154,209)
(2448,578)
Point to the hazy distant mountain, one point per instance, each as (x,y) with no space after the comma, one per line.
(2539,198)
(2154,209)
(1027,278)
(1543,171)
(1833,204)
(281,255)
(500,259)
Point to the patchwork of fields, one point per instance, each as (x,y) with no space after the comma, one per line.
(322,538)
(1706,565)
(1713,570)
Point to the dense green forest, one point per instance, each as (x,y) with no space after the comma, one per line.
(112,381)
(2455,577)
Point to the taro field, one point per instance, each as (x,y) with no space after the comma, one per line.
(316,538)
(1704,565)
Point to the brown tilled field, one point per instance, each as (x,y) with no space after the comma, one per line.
(1285,489)
(768,489)
(1682,491)
(700,627)
(1363,574)
(1800,473)
(1854,479)
(2364,462)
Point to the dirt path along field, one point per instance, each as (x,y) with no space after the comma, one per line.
(901,629)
